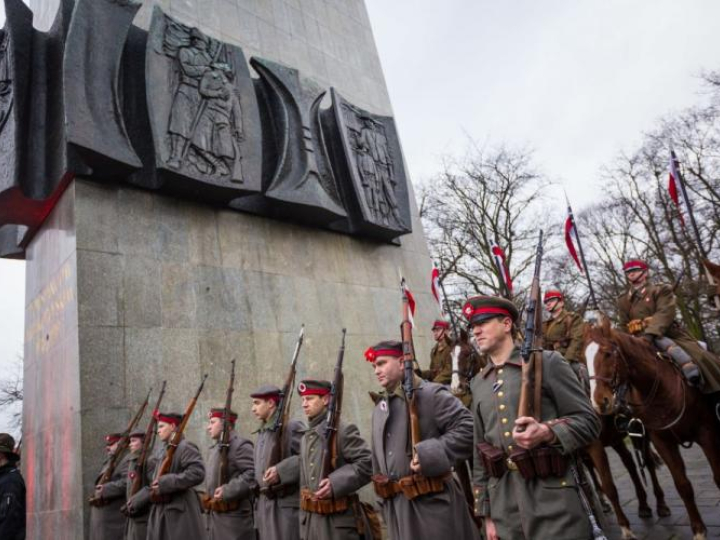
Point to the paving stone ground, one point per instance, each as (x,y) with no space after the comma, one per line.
(677,526)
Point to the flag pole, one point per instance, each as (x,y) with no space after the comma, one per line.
(582,254)
(453,321)
(693,223)
(500,271)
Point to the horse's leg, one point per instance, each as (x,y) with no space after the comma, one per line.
(670,453)
(590,466)
(644,510)
(649,456)
(709,441)
(600,460)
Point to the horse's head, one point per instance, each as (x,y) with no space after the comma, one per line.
(605,366)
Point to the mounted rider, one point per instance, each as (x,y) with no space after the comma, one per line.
(648,310)
(563,333)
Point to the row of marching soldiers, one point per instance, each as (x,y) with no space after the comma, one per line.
(301,480)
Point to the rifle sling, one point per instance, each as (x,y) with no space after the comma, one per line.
(537,386)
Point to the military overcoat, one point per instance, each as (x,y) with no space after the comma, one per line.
(107,522)
(353,471)
(446,430)
(537,508)
(278,518)
(182,516)
(136,524)
(656,304)
(237,524)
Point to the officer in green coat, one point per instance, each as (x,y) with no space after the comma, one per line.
(648,310)
(546,503)
(563,332)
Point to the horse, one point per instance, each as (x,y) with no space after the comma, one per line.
(656,391)
(714,270)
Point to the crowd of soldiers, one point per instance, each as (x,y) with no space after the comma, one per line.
(527,482)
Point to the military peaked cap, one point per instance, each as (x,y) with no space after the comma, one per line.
(311,387)
(267,391)
(440,323)
(384,348)
(479,309)
(634,264)
(552,295)
(169,418)
(219,412)
(112,438)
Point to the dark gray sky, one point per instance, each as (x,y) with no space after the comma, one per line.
(575,80)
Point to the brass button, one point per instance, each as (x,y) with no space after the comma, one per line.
(504,420)
(500,381)
(510,447)
(501,393)
(500,371)
(507,433)
(502,406)
(563,483)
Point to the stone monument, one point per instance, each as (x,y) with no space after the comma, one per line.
(189,182)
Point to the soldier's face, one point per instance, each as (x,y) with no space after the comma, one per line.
(554,305)
(388,370)
(636,277)
(491,334)
(136,444)
(263,408)
(214,428)
(110,448)
(314,405)
(164,430)
(438,333)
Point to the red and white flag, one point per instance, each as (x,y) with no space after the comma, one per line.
(674,183)
(571,238)
(410,299)
(498,256)
(435,285)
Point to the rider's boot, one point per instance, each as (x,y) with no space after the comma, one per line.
(681,358)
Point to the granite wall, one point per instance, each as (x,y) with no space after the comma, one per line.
(154,288)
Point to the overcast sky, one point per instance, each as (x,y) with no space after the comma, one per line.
(574,80)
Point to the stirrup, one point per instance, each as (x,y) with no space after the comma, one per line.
(717,411)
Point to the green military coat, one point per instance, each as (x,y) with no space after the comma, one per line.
(656,304)
(564,334)
(539,508)
(353,471)
(440,363)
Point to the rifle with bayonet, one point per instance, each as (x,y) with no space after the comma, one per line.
(173,443)
(328,461)
(279,427)
(141,467)
(119,450)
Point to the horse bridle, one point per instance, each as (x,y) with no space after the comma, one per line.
(620,389)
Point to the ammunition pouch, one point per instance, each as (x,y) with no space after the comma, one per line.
(218,506)
(323,506)
(494,459)
(638,326)
(367,519)
(411,486)
(541,462)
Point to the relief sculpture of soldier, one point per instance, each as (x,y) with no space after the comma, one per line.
(6,97)
(376,172)
(205,126)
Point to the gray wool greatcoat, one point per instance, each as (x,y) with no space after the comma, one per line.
(136,525)
(107,522)
(538,508)
(182,516)
(353,471)
(238,524)
(446,430)
(278,518)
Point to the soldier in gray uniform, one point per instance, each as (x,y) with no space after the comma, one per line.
(278,501)
(136,523)
(232,518)
(518,502)
(106,521)
(175,512)
(330,508)
(420,498)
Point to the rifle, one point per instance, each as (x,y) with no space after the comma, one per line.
(139,480)
(277,448)
(224,443)
(174,441)
(330,449)
(121,447)
(408,361)
(531,350)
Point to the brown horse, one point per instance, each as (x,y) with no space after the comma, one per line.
(714,270)
(672,412)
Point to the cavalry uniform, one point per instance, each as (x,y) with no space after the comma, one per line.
(651,310)
(277,507)
(430,505)
(176,512)
(340,517)
(440,358)
(234,520)
(106,520)
(547,504)
(563,333)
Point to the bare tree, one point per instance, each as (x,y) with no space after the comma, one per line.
(489,195)
(11,395)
